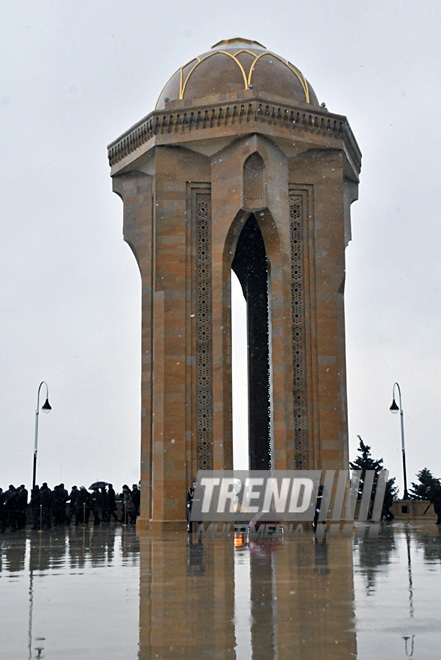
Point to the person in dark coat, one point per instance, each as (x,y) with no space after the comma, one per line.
(3,517)
(82,511)
(128,508)
(35,506)
(11,507)
(136,498)
(95,506)
(22,503)
(111,503)
(46,502)
(189,503)
(386,513)
(435,499)
(318,505)
(59,504)
(73,509)
(65,497)
(104,504)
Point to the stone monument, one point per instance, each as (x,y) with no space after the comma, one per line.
(238,168)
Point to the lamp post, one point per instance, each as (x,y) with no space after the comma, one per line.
(394,409)
(46,407)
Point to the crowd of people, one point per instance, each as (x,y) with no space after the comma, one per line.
(59,507)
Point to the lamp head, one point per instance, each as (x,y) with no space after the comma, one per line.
(46,407)
(394,408)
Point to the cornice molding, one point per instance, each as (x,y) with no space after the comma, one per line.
(253,111)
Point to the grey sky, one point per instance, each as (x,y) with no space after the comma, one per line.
(74,76)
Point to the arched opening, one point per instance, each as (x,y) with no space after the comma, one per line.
(251,266)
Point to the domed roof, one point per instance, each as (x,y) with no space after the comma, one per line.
(234,65)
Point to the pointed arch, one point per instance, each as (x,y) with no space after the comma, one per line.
(251,238)
(254,182)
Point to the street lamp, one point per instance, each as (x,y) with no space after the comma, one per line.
(394,409)
(46,407)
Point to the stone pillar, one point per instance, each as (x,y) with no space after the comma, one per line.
(135,189)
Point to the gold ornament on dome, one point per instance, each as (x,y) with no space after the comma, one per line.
(246,71)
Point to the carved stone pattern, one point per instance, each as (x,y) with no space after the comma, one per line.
(296,213)
(295,120)
(204,359)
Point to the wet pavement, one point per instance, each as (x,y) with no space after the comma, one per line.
(105,593)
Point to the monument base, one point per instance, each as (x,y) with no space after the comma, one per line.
(159,526)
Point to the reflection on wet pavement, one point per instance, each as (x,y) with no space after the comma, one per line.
(69,594)
(107,593)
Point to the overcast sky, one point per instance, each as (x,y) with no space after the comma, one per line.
(74,76)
